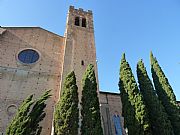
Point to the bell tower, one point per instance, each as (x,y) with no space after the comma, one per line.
(79,44)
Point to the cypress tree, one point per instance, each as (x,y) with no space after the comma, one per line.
(24,123)
(134,110)
(91,120)
(160,123)
(36,115)
(18,123)
(66,111)
(165,94)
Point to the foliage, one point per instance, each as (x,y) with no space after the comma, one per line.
(66,111)
(91,120)
(158,117)
(165,94)
(26,120)
(134,110)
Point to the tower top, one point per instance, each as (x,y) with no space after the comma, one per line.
(80,19)
(80,11)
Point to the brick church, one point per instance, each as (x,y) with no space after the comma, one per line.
(33,60)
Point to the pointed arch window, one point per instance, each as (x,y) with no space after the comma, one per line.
(77,21)
(83,22)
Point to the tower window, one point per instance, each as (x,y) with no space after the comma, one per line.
(83,22)
(82,63)
(77,21)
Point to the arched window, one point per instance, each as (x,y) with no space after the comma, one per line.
(83,22)
(77,21)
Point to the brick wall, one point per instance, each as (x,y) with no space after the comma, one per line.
(17,80)
(110,103)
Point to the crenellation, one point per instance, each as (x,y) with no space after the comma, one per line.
(71,7)
(81,10)
(90,12)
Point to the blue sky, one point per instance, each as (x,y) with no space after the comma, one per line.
(132,26)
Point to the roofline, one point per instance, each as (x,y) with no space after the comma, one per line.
(30,27)
(105,92)
(112,93)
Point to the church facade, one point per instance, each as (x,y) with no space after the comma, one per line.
(33,60)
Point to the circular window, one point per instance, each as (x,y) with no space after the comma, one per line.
(12,109)
(28,56)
